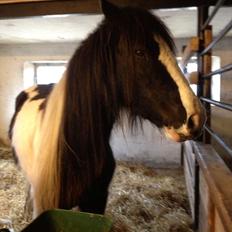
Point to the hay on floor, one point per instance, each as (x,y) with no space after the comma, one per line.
(13,189)
(141,199)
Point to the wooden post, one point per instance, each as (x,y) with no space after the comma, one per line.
(202,17)
(204,65)
(207,64)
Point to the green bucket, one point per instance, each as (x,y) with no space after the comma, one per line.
(69,221)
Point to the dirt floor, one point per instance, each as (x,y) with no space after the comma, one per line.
(141,199)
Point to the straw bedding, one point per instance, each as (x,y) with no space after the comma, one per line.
(141,199)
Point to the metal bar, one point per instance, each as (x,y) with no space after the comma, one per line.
(218,38)
(219,140)
(222,105)
(219,71)
(216,8)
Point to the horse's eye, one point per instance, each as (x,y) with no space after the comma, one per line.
(139,53)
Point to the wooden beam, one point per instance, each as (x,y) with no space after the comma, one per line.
(19,10)
(191,48)
(22,1)
(25,8)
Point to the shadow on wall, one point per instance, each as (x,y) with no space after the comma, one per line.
(222,124)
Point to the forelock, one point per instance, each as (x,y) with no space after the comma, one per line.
(137,23)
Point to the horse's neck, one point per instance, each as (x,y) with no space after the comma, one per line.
(55,101)
(52,116)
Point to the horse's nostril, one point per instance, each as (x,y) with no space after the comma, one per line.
(193,122)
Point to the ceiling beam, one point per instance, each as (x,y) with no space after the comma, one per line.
(18,10)
(21,1)
(38,8)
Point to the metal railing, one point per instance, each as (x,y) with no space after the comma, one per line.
(203,45)
(204,70)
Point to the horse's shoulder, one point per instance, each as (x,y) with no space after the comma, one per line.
(34,94)
(20,100)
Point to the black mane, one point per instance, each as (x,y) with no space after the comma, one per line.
(95,95)
(139,22)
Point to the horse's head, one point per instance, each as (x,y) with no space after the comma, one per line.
(152,85)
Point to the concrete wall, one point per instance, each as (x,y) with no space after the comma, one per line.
(149,146)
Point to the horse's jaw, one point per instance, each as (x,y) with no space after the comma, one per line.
(172,134)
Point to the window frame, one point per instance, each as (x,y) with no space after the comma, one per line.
(30,70)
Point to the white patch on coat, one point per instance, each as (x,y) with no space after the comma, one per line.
(35,137)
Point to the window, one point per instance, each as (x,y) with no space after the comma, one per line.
(190,68)
(43,72)
(215,80)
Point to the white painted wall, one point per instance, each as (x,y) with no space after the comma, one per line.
(149,147)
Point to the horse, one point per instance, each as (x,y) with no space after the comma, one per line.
(60,133)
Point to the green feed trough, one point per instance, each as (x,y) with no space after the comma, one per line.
(69,221)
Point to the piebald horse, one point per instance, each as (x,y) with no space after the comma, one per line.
(60,133)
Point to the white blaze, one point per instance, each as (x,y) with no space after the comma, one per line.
(190,102)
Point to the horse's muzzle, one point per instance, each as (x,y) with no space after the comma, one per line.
(190,130)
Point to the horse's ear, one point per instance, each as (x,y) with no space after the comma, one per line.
(109,10)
